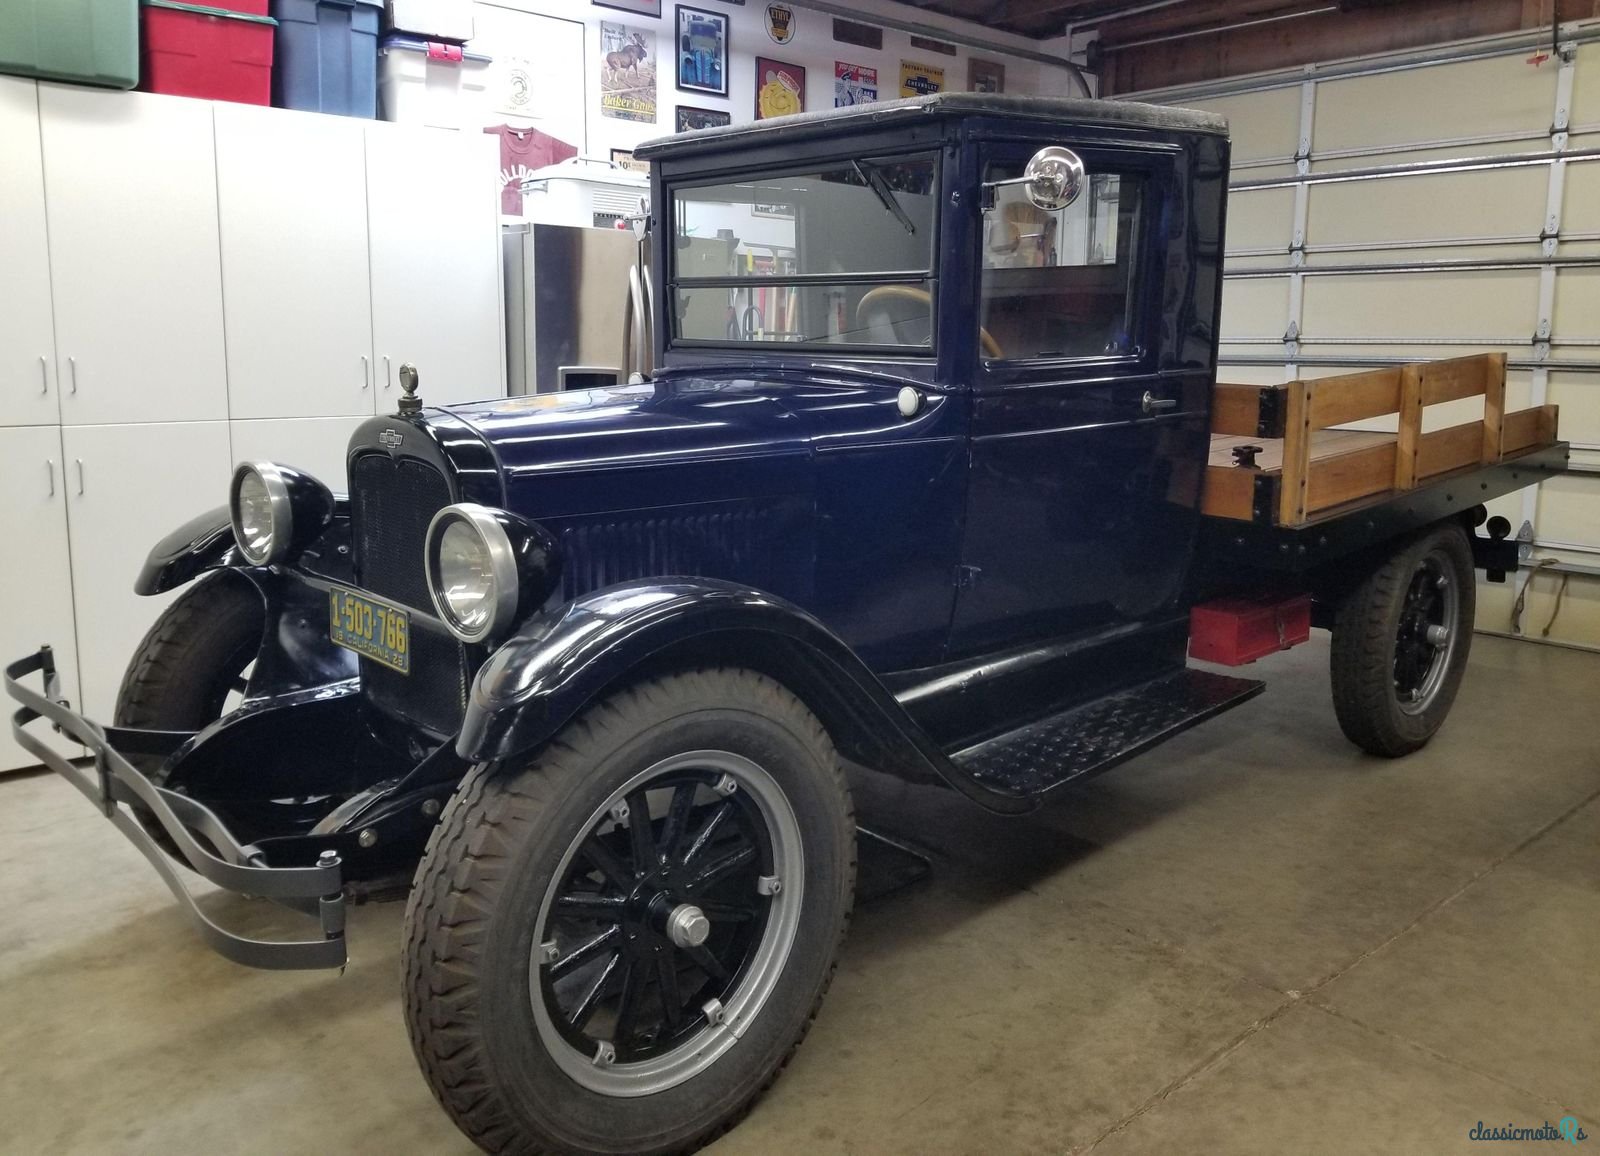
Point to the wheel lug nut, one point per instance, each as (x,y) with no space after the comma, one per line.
(727,785)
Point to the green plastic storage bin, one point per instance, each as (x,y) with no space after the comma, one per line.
(89,41)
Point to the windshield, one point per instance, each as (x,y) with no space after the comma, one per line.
(841,254)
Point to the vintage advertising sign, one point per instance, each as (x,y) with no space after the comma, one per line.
(627,72)
(853,84)
(780,88)
(780,23)
(917,79)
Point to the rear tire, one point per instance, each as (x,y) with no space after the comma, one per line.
(1400,643)
(515,882)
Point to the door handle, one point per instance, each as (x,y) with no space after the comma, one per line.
(80,475)
(44,374)
(72,369)
(388,381)
(1150,402)
(50,465)
(366,372)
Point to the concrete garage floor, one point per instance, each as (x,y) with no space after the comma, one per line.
(1253,939)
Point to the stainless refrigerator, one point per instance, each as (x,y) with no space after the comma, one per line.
(577,307)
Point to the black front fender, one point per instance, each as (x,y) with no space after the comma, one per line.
(202,543)
(206,542)
(571,655)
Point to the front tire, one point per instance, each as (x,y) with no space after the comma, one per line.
(617,947)
(190,670)
(1400,643)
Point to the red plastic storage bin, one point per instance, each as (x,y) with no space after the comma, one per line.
(211,53)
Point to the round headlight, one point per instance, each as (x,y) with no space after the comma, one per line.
(472,571)
(262,521)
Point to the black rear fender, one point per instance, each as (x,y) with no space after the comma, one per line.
(573,655)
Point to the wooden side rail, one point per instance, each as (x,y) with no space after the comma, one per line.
(1306,467)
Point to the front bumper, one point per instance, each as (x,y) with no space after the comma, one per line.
(116,787)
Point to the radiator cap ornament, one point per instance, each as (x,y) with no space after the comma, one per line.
(410,403)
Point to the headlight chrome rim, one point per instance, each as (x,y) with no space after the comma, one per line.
(280,532)
(503,570)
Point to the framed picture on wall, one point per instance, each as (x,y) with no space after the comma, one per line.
(640,7)
(690,118)
(780,88)
(702,51)
(985,75)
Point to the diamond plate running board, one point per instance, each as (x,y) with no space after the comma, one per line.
(1094,737)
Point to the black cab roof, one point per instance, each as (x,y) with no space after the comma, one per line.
(1072,110)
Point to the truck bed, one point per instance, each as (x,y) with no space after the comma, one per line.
(1304,471)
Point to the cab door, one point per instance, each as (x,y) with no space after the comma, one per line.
(1089,426)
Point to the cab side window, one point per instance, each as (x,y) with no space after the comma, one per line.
(1062,283)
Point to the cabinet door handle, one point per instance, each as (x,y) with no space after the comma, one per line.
(80,475)
(366,372)
(388,381)
(1150,402)
(72,369)
(44,374)
(50,465)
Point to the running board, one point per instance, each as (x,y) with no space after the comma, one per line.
(1043,755)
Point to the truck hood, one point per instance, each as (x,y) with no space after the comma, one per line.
(672,441)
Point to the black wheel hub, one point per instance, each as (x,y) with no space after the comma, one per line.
(1425,634)
(614,975)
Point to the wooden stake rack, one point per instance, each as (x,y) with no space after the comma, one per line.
(1303,469)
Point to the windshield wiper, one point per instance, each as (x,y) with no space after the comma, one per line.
(878,185)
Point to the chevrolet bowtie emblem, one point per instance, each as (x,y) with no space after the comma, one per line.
(390,438)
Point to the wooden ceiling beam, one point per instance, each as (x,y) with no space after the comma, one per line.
(1013,12)
(1195,16)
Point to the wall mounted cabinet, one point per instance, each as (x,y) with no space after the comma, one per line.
(434,230)
(37,595)
(28,380)
(292,194)
(131,194)
(127,485)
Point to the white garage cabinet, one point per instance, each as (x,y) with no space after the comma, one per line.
(189,284)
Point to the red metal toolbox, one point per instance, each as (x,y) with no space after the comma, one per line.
(1234,631)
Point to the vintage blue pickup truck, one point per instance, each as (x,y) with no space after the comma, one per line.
(926,469)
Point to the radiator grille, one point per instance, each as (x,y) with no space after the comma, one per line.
(392,502)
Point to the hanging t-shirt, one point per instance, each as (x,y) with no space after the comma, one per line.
(522,151)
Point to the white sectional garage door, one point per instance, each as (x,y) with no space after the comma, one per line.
(1419,207)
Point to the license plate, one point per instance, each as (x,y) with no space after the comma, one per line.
(371,628)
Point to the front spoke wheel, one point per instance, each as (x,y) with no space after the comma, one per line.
(647,925)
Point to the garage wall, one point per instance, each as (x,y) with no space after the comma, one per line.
(1411,207)
(553,47)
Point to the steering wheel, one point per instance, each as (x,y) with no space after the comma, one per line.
(884,293)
